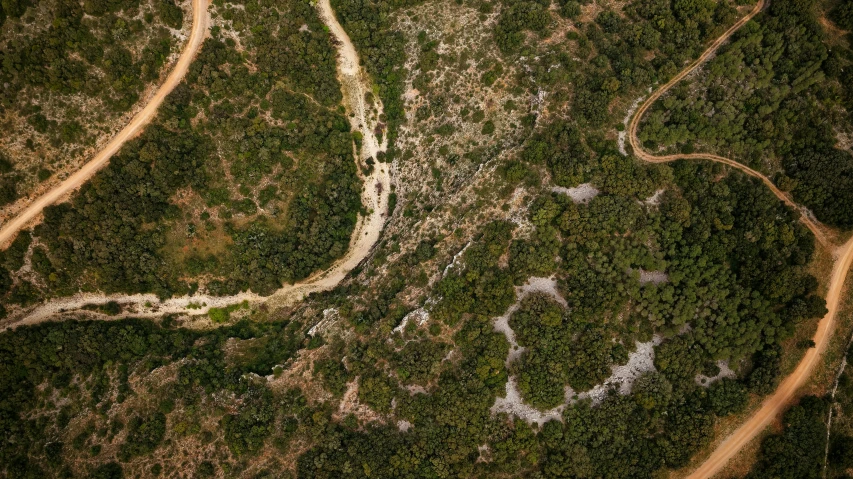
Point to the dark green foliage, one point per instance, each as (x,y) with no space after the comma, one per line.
(110,470)
(334,375)
(132,191)
(534,257)
(841,452)
(424,251)
(765,373)
(54,353)
(246,431)
(842,15)
(652,391)
(681,26)
(311,150)
(377,390)
(13,256)
(560,146)
(205,469)
(561,349)
(587,446)
(719,238)
(830,196)
(766,94)
(382,49)
(144,435)
(678,360)
(727,396)
(8,191)
(733,255)
(419,361)
(281,340)
(456,413)
(799,451)
(482,288)
(516,17)
(322,224)
(64,57)
(169,13)
(8,179)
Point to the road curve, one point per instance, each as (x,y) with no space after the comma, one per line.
(805,217)
(199,29)
(374,197)
(774,404)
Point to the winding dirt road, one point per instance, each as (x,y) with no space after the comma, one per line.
(774,404)
(199,30)
(805,216)
(354,84)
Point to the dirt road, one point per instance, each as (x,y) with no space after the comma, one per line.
(805,216)
(774,404)
(781,398)
(377,186)
(199,30)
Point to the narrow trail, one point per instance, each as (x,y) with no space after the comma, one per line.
(377,186)
(774,404)
(200,27)
(805,216)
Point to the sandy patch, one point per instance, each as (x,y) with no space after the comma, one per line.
(579,194)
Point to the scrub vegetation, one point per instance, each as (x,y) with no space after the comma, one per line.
(245,180)
(70,73)
(442,354)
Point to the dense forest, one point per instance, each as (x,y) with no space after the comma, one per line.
(770,98)
(63,86)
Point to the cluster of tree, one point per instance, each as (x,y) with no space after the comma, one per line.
(842,15)
(102,231)
(481,288)
(169,13)
(744,246)
(678,29)
(767,94)
(12,8)
(12,259)
(246,431)
(660,425)
(560,349)
(829,196)
(725,224)
(612,55)
(840,457)
(734,259)
(305,55)
(67,76)
(572,160)
(799,450)
(8,181)
(418,361)
(143,436)
(518,16)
